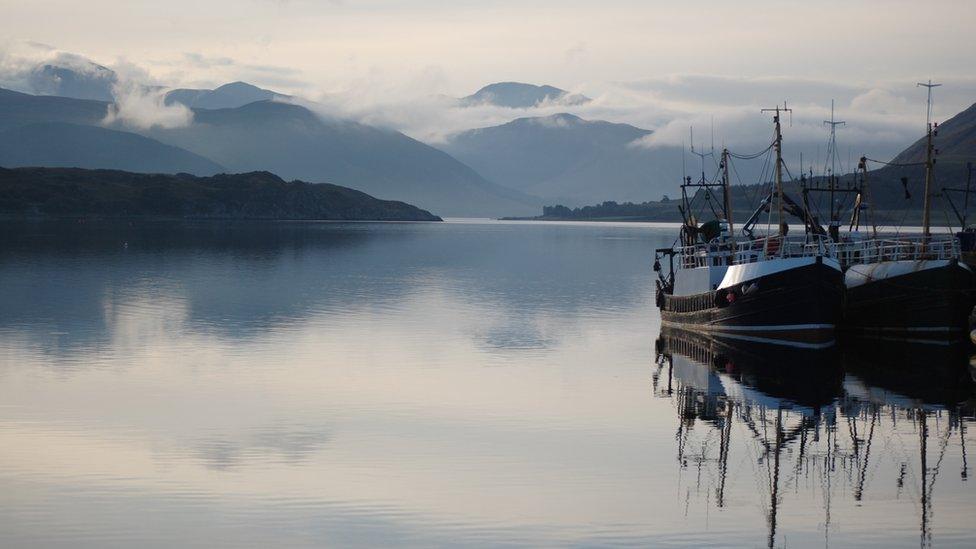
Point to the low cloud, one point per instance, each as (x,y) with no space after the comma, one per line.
(143,107)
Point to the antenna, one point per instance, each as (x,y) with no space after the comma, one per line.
(713,134)
(928,109)
(700,155)
(832,144)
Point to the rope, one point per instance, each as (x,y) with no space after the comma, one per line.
(904,165)
(752,156)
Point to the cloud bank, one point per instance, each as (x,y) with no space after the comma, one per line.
(882,116)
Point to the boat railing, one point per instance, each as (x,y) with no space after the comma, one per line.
(913,248)
(718,252)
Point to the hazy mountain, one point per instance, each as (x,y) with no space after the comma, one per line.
(895,194)
(565,159)
(82,80)
(258,195)
(228,96)
(60,144)
(516,95)
(295,143)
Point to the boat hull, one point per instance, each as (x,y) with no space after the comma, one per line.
(798,307)
(909,300)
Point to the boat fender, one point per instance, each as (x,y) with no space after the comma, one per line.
(730,297)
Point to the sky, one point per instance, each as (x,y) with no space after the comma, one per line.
(660,65)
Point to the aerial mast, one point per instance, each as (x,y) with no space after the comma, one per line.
(929,150)
(700,155)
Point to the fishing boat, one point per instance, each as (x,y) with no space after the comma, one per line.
(915,287)
(775,288)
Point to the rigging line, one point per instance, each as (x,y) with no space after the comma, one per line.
(752,156)
(738,178)
(901,164)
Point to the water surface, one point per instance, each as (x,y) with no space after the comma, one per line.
(465,384)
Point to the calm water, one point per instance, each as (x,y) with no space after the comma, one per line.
(479,384)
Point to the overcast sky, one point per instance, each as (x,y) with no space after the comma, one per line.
(646,62)
(455,46)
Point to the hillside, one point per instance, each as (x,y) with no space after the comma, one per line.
(21,109)
(566,159)
(516,95)
(73,192)
(60,144)
(956,141)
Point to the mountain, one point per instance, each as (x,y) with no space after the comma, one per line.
(516,95)
(60,144)
(565,159)
(295,143)
(228,96)
(74,192)
(82,80)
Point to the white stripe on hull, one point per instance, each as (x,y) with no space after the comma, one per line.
(745,272)
(767,328)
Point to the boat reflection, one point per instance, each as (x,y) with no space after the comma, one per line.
(832,425)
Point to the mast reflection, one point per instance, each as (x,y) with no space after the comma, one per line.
(817,423)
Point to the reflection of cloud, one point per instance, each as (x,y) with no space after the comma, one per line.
(289,445)
(576,51)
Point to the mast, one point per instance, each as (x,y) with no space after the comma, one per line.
(727,189)
(832,153)
(778,146)
(864,196)
(969,180)
(929,149)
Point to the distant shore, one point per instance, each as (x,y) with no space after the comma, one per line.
(73,193)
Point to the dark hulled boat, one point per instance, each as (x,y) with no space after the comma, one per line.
(914,288)
(793,300)
(923,292)
(776,289)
